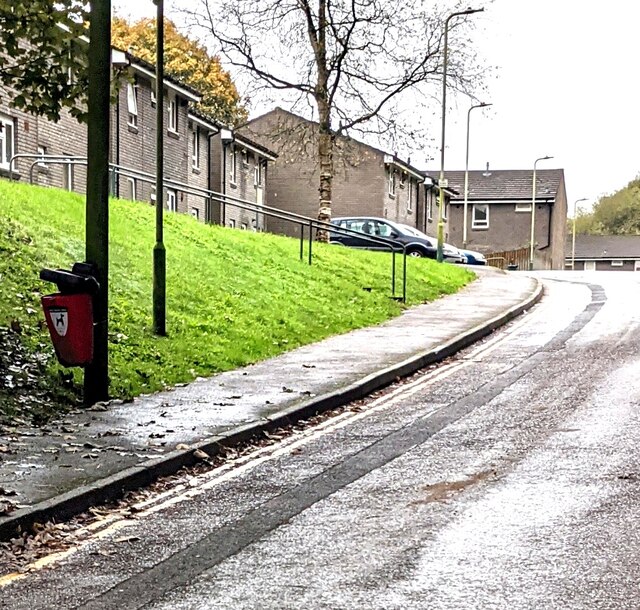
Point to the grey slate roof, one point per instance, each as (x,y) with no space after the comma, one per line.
(606,247)
(504,184)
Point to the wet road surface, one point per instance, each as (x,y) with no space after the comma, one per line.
(507,478)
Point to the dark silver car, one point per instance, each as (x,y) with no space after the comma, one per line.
(380,228)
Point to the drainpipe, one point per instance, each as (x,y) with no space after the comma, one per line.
(226,137)
(209,185)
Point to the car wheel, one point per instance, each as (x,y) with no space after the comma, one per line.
(415,253)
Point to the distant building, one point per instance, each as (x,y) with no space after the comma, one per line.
(605,253)
(499,212)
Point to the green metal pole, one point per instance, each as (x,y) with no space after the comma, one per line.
(159,252)
(96,378)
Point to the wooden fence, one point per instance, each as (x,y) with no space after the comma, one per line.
(508,258)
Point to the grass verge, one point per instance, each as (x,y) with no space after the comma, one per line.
(233,297)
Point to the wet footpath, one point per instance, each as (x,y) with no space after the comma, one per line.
(92,456)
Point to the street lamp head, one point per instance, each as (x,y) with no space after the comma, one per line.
(470,11)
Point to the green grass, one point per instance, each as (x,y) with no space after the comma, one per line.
(233,297)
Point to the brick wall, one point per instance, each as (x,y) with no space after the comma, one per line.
(360,185)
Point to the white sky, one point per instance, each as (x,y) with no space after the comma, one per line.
(564,85)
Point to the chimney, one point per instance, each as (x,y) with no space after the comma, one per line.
(487,172)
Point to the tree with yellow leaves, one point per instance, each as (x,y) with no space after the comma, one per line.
(186,60)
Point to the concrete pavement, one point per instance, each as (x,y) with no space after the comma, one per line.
(95,455)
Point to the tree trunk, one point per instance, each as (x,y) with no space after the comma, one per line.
(325,155)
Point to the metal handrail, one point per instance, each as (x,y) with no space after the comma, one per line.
(225,199)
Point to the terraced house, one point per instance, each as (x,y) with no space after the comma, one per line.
(367,181)
(197,150)
(499,212)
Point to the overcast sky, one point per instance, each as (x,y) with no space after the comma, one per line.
(564,86)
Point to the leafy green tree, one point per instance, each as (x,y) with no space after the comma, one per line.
(186,60)
(41,57)
(615,214)
(619,213)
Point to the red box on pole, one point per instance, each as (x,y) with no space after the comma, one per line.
(70,321)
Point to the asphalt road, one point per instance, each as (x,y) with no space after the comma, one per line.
(508,477)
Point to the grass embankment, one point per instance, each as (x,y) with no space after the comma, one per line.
(233,297)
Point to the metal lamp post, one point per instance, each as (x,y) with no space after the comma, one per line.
(159,252)
(441,181)
(533,210)
(573,239)
(466,175)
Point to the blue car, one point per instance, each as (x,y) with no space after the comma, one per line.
(474,258)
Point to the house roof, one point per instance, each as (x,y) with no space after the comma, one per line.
(193,95)
(606,247)
(388,158)
(504,184)
(237,137)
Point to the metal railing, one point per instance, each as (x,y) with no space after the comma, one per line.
(305,223)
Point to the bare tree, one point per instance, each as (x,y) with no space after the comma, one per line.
(354,62)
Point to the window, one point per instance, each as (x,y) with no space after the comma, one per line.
(392,182)
(480,216)
(410,197)
(131,189)
(171,201)
(232,223)
(152,197)
(132,104)
(429,206)
(67,175)
(403,179)
(617,263)
(195,212)
(244,226)
(6,140)
(153,95)
(42,151)
(172,110)
(257,173)
(233,162)
(195,148)
(523,207)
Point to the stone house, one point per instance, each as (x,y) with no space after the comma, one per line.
(604,253)
(367,181)
(499,212)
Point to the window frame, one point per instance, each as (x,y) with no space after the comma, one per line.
(478,224)
(410,196)
(195,144)
(41,150)
(617,263)
(132,105)
(172,113)
(523,207)
(172,200)
(391,188)
(7,151)
(257,173)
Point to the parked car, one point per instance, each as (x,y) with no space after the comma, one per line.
(416,245)
(474,258)
(450,253)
